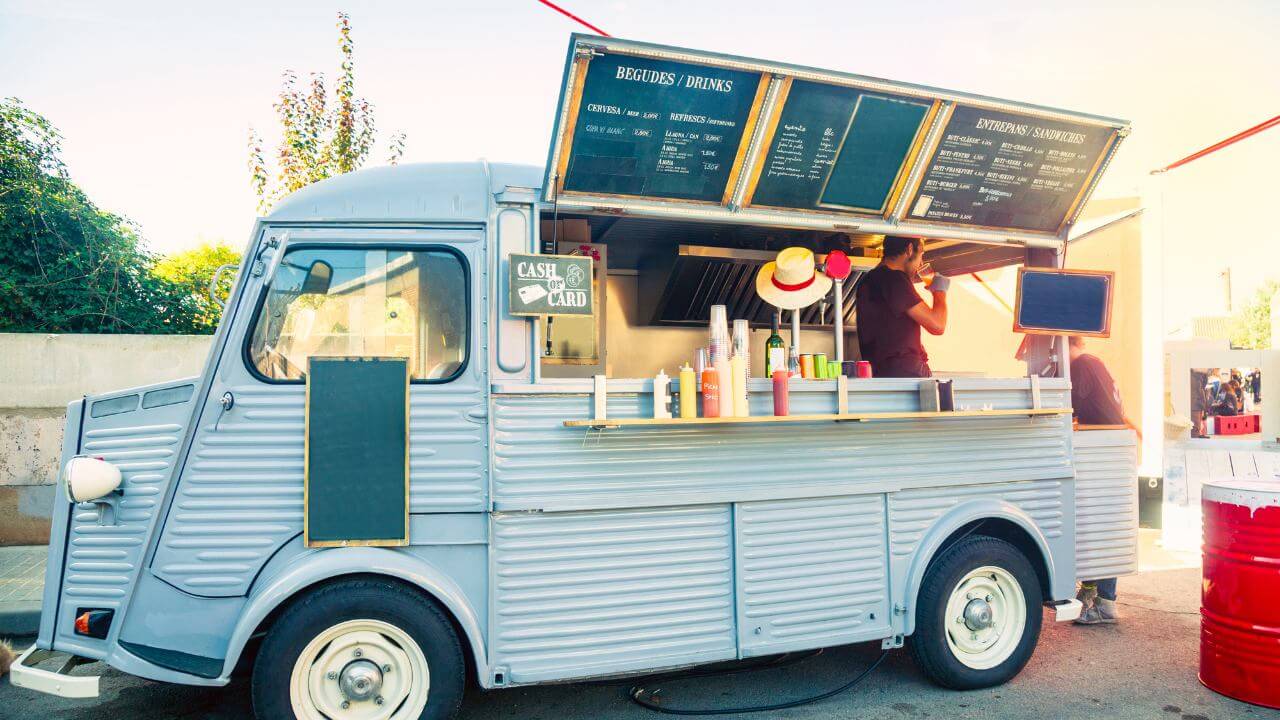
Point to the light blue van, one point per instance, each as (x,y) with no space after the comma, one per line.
(539,551)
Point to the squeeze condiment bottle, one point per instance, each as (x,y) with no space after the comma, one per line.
(688,392)
(710,393)
(781,404)
(724,391)
(661,395)
(738,369)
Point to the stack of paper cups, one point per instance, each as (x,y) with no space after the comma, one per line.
(738,368)
(719,340)
(742,342)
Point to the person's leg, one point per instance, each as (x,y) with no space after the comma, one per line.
(1107,589)
(1103,608)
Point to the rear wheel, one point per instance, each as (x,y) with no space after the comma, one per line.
(978,615)
(360,650)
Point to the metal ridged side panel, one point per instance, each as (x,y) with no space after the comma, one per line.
(811,573)
(913,512)
(594,593)
(102,558)
(540,464)
(241,493)
(1106,504)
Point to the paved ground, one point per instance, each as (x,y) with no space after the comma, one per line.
(21,584)
(1143,668)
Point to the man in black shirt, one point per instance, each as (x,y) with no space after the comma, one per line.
(1095,400)
(891,312)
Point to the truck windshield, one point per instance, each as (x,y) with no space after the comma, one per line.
(352,302)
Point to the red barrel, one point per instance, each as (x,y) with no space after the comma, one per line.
(1240,595)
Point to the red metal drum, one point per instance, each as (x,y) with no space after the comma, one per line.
(1240,595)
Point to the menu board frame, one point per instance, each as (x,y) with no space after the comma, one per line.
(925,160)
(578,80)
(1018,327)
(900,179)
(736,204)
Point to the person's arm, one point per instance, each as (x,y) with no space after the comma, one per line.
(933,319)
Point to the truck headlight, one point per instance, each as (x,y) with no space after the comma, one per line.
(90,478)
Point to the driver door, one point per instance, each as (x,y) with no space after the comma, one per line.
(333,292)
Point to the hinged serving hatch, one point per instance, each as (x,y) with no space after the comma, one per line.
(656,131)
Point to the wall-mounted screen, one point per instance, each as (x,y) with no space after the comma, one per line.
(1006,170)
(1063,302)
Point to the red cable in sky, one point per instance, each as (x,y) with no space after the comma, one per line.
(1273,122)
(573,17)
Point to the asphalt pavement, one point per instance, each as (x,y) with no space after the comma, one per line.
(1143,668)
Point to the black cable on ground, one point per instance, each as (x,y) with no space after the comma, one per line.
(647,699)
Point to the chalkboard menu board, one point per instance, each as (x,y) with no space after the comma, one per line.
(356,452)
(1008,170)
(1074,302)
(657,128)
(837,146)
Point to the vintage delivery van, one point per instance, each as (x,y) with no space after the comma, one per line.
(542,525)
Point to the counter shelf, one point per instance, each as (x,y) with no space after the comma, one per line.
(612,423)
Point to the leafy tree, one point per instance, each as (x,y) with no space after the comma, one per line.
(65,264)
(1251,325)
(192,271)
(320,138)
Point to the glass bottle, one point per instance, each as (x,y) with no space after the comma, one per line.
(775,350)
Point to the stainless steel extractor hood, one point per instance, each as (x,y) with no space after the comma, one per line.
(679,288)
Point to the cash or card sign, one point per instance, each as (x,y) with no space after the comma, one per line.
(550,285)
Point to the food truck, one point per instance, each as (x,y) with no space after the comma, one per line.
(432,441)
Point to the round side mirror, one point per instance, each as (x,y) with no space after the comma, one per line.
(90,478)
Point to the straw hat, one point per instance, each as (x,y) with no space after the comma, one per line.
(792,281)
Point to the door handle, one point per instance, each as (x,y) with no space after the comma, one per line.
(478,415)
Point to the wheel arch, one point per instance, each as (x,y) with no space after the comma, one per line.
(989,517)
(316,569)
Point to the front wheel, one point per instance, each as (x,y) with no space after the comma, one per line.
(360,650)
(978,615)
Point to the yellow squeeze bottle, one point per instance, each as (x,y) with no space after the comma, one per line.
(688,392)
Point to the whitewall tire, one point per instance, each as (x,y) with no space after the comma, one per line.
(978,614)
(365,649)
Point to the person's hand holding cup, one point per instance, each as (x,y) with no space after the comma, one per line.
(932,280)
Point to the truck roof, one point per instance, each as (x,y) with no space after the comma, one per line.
(415,192)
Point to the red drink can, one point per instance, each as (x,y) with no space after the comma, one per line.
(862,369)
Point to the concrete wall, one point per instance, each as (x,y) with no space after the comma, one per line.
(39,375)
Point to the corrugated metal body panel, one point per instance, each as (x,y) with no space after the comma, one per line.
(1106,504)
(241,494)
(811,573)
(595,593)
(913,512)
(102,559)
(540,464)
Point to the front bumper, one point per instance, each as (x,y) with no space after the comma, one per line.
(52,682)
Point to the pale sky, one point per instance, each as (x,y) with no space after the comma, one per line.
(155,99)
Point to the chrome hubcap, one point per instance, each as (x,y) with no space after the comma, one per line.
(977,615)
(360,680)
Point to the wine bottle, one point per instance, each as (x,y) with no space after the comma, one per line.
(775,351)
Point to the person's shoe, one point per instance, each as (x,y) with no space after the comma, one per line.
(1101,612)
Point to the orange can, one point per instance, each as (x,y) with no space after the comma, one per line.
(806,365)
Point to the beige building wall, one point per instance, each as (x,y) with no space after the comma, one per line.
(980,327)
